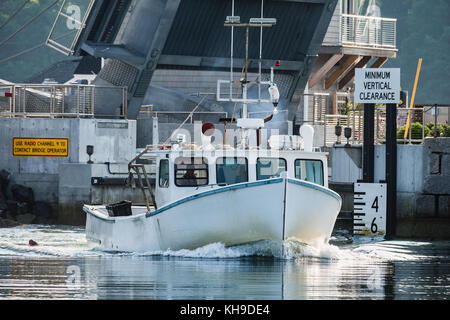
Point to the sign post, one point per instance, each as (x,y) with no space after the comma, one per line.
(374,86)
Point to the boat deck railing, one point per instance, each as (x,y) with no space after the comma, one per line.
(166,116)
(58,100)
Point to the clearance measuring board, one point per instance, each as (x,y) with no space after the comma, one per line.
(369,206)
(40,147)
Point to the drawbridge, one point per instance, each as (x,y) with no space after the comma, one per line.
(169,53)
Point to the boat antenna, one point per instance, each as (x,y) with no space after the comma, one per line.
(260,50)
(185,120)
(235,21)
(245,123)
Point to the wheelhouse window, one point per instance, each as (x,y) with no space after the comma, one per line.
(164,173)
(191,172)
(267,168)
(231,170)
(309,170)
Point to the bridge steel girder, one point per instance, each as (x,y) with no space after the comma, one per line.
(303,74)
(151,61)
(190,33)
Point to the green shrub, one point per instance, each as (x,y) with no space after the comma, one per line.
(416,131)
(446,130)
(439,131)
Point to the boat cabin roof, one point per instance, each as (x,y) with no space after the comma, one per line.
(185,172)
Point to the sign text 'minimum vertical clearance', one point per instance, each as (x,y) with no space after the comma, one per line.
(377,85)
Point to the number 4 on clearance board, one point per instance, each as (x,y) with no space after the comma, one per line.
(369,205)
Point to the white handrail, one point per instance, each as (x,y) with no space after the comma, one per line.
(367,31)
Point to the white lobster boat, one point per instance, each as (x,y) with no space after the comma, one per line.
(233,195)
(232,200)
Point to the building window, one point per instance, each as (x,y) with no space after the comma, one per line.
(231,170)
(309,170)
(267,168)
(191,172)
(164,173)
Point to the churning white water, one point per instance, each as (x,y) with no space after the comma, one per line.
(64,265)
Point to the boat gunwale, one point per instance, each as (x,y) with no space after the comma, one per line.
(213,191)
(315,186)
(94,214)
(216,191)
(183,200)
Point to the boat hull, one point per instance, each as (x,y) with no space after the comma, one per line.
(275,209)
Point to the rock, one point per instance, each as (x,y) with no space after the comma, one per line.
(10,216)
(26,218)
(22,208)
(42,210)
(3,205)
(12,207)
(45,221)
(22,193)
(6,180)
(32,243)
(4,177)
(7,223)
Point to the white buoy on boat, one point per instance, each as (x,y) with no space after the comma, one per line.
(307,133)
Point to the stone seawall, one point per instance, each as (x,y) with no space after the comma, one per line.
(423,184)
(429,215)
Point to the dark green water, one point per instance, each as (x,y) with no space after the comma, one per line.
(65,266)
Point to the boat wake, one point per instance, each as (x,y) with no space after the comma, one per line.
(71,242)
(286,250)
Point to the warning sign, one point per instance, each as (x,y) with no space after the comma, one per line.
(40,147)
(377,85)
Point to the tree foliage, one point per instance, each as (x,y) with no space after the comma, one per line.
(423,31)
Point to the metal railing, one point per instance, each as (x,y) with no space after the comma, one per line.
(72,16)
(414,137)
(353,120)
(315,107)
(438,115)
(212,116)
(262,114)
(58,100)
(370,32)
(319,105)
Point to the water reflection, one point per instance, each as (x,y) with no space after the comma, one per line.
(248,278)
(365,270)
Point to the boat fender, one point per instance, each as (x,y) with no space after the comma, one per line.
(208,129)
